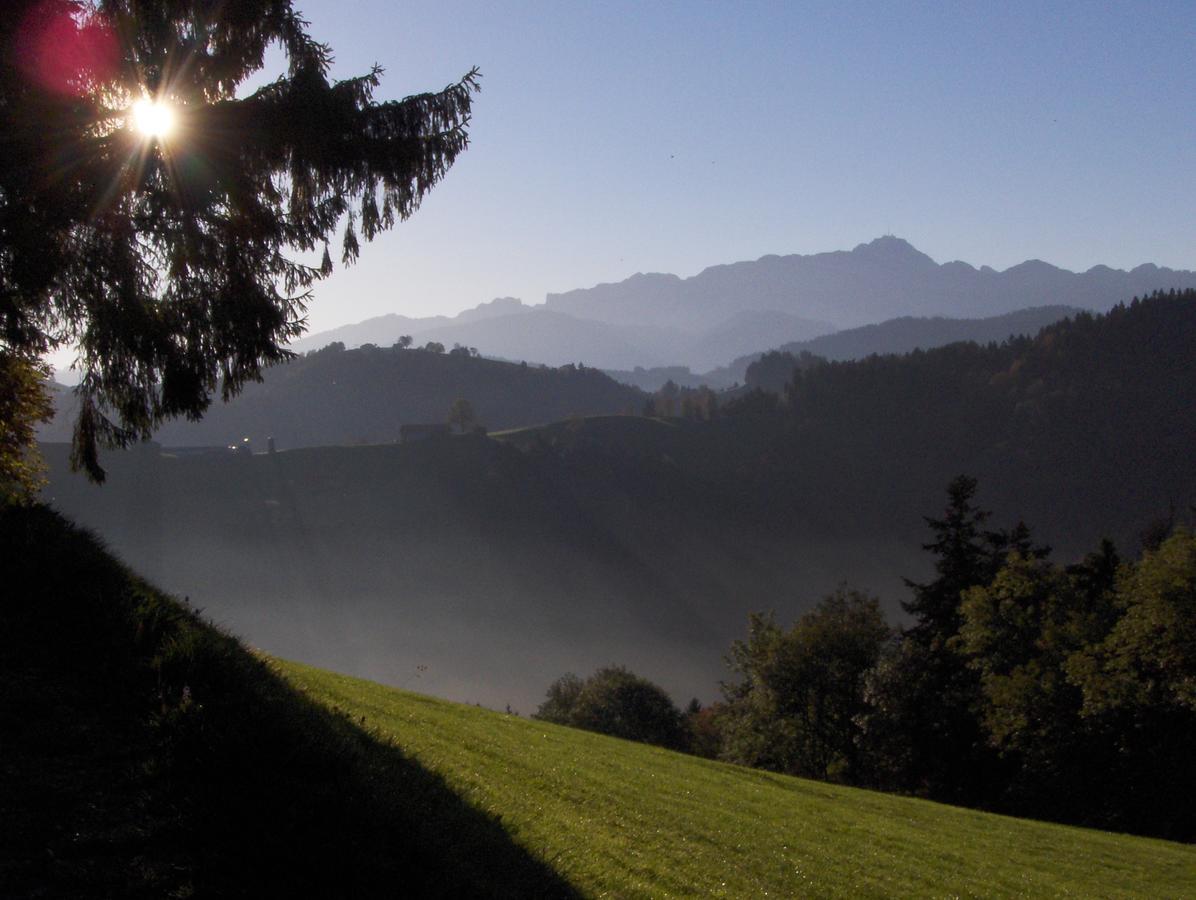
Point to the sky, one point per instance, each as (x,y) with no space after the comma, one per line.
(613,138)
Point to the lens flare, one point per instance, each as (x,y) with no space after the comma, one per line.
(64,48)
(153,118)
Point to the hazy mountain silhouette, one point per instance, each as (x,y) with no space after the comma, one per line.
(883,279)
(542,336)
(507,329)
(727,311)
(385,330)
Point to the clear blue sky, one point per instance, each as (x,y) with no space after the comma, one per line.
(611,138)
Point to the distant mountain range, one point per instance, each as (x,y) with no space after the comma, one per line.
(883,279)
(729,311)
(505,328)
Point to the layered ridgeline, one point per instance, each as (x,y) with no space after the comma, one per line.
(481,569)
(338,396)
(200,768)
(728,311)
(902,335)
(883,279)
(508,329)
(1084,430)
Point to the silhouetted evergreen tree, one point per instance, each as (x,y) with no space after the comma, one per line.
(170,260)
(927,703)
(965,557)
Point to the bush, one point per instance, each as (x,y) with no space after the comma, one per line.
(617,702)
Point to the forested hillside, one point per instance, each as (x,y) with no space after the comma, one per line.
(1085,430)
(338,396)
(1081,428)
(895,336)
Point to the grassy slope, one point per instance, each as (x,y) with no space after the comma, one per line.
(621,819)
(145,753)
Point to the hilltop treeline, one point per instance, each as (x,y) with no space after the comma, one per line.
(336,396)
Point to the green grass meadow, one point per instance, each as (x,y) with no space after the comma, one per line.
(619,819)
(145,753)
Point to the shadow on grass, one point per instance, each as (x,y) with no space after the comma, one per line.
(145,753)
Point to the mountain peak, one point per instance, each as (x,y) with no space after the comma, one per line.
(499,306)
(889,248)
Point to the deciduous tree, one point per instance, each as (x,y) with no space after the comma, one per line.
(617,702)
(799,692)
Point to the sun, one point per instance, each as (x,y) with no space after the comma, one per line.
(153,118)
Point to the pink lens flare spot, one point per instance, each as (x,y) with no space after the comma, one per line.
(63,51)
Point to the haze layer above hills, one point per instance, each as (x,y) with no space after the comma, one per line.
(497,565)
(507,329)
(727,311)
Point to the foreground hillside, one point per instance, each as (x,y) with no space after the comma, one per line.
(147,754)
(143,753)
(623,819)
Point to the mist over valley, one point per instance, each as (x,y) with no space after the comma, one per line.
(479,567)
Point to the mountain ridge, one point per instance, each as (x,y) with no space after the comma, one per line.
(656,319)
(856,287)
(900,335)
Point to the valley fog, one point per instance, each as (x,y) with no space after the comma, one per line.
(458,574)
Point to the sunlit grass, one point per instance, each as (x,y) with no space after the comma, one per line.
(622,819)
